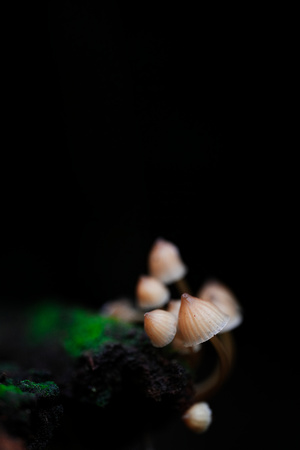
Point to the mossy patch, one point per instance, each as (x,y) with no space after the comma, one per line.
(12,398)
(88,331)
(29,409)
(23,388)
(7,389)
(78,330)
(42,390)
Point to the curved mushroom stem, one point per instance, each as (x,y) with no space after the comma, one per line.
(229,344)
(182,286)
(208,387)
(225,348)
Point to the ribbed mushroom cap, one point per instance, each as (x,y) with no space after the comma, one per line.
(151,293)
(160,326)
(198,417)
(199,320)
(178,343)
(225,300)
(164,262)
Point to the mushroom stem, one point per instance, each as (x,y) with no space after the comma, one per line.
(182,286)
(229,344)
(208,387)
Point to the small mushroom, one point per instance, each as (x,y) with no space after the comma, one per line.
(178,343)
(165,263)
(198,417)
(160,326)
(122,309)
(224,299)
(151,293)
(199,320)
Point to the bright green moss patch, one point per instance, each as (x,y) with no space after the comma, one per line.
(76,329)
(4,389)
(88,331)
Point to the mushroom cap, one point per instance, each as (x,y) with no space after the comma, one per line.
(123,309)
(165,263)
(151,293)
(178,343)
(199,320)
(160,326)
(198,417)
(224,299)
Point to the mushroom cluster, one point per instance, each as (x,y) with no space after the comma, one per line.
(186,322)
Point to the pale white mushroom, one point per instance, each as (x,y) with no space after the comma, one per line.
(198,417)
(123,309)
(224,299)
(165,263)
(199,320)
(151,293)
(160,326)
(178,343)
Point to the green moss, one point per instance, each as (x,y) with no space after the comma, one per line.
(29,410)
(89,331)
(8,389)
(76,329)
(15,397)
(45,390)
(12,398)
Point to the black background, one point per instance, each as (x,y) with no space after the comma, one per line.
(126,121)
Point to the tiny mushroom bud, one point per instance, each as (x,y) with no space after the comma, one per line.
(160,326)
(122,309)
(198,417)
(165,262)
(199,320)
(225,300)
(151,293)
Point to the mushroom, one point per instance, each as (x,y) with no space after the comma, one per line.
(199,320)
(122,309)
(160,326)
(151,293)
(198,417)
(224,299)
(178,343)
(165,263)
